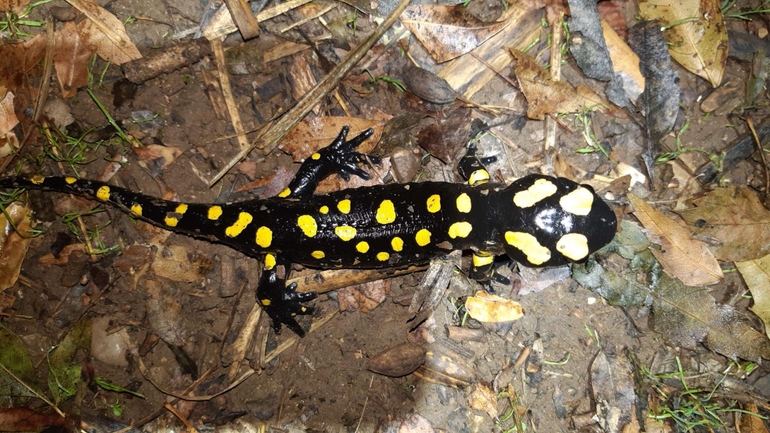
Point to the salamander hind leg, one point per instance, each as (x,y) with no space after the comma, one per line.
(282,303)
(472,168)
(339,157)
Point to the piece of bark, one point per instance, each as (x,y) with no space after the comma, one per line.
(166,60)
(243,18)
(733,154)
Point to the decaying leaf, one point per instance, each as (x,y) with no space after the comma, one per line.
(163,155)
(688,315)
(177,263)
(13,247)
(311,135)
(365,297)
(736,218)
(492,308)
(681,256)
(483,398)
(546,96)
(15,6)
(447,32)
(612,384)
(695,32)
(756,273)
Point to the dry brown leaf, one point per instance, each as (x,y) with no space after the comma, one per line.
(736,218)
(178,263)
(17,59)
(366,296)
(696,34)
(492,308)
(166,154)
(756,273)
(680,255)
(625,62)
(447,32)
(105,33)
(311,135)
(546,96)
(689,315)
(13,247)
(8,119)
(751,420)
(14,6)
(71,59)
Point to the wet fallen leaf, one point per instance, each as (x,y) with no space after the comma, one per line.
(492,308)
(13,247)
(736,218)
(681,256)
(26,419)
(447,32)
(695,32)
(15,358)
(546,96)
(312,135)
(756,273)
(65,362)
(483,398)
(612,385)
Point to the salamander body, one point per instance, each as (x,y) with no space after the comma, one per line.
(537,220)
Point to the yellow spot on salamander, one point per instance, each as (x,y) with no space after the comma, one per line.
(318,254)
(478,177)
(464,203)
(397,243)
(37,179)
(215,212)
(171,221)
(362,247)
(383,256)
(324,210)
(264,237)
(386,213)
(573,246)
(460,230)
(70,180)
(344,206)
(540,190)
(345,233)
(269,262)
(422,237)
(308,225)
(265,302)
(244,219)
(578,202)
(136,209)
(434,203)
(181,209)
(316,156)
(480,260)
(103,193)
(285,193)
(528,244)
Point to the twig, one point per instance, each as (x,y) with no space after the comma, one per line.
(278,128)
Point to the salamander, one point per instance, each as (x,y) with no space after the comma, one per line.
(536,220)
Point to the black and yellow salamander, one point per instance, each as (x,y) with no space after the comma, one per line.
(537,220)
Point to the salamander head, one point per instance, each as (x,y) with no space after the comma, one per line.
(556,221)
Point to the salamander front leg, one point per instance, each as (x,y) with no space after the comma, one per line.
(282,303)
(339,157)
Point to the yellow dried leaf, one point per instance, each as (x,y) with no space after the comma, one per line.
(492,308)
(680,255)
(695,32)
(756,273)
